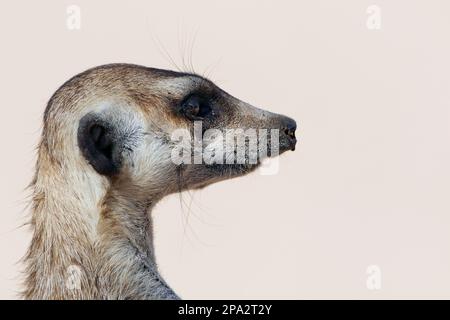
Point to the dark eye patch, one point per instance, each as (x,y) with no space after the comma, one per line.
(196,107)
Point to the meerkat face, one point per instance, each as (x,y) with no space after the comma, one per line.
(158,132)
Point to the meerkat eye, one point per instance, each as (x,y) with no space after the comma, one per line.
(195,108)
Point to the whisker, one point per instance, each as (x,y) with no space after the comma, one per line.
(164,52)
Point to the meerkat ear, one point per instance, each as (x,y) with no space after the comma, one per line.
(99,144)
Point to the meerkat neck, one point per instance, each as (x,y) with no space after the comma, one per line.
(125,218)
(60,260)
(128,267)
(90,241)
(126,249)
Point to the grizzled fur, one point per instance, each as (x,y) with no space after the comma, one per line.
(98,220)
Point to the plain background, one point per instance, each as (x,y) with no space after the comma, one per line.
(369,183)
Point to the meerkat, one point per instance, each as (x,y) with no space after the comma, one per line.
(104,161)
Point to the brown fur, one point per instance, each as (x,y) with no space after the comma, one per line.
(99,225)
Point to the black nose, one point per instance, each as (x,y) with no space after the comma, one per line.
(288,127)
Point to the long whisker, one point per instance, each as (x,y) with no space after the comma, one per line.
(191,51)
(181,47)
(165,53)
(210,69)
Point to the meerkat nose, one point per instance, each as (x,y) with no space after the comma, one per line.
(288,127)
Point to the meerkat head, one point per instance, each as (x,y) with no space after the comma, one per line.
(151,132)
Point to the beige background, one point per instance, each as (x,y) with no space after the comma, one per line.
(368,184)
